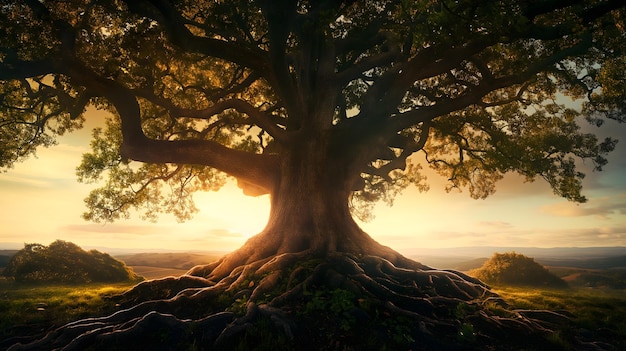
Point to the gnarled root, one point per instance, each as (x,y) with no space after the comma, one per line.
(301,301)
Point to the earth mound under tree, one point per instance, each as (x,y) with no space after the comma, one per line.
(66,262)
(511,268)
(328,106)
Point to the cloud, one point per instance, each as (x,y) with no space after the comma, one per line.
(498,225)
(223,233)
(213,239)
(511,236)
(52,168)
(601,207)
(590,236)
(13,181)
(116,228)
(456,235)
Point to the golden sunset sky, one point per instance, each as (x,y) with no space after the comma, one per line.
(42,202)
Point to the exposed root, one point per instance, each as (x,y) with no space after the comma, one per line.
(301,301)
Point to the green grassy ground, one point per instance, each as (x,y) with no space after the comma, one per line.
(601,311)
(34,309)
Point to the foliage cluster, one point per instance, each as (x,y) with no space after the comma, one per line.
(66,262)
(512,268)
(340,319)
(331,318)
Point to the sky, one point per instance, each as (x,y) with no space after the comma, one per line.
(42,202)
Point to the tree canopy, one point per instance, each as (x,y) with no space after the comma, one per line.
(200,89)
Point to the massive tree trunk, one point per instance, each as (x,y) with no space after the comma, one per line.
(309,206)
(310,210)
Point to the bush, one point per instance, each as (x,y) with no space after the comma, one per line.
(66,262)
(515,269)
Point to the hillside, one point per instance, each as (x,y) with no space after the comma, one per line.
(173,260)
(613,262)
(5,256)
(65,262)
(589,267)
(514,269)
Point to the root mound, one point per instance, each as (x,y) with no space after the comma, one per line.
(304,302)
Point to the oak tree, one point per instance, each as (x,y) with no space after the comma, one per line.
(325,105)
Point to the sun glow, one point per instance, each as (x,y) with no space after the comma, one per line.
(230,209)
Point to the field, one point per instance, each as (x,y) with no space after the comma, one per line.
(601,312)
(152,272)
(30,310)
(159,265)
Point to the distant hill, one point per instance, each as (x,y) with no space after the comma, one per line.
(8,252)
(511,268)
(5,256)
(471,264)
(172,260)
(588,263)
(455,263)
(465,258)
(554,252)
(155,265)
(613,279)
(4,260)
(460,258)
(65,262)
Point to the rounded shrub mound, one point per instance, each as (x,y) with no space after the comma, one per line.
(512,268)
(66,262)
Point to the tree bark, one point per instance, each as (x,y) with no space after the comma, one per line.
(310,210)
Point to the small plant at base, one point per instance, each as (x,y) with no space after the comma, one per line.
(466,333)
(498,310)
(463,310)
(339,302)
(399,330)
(263,336)
(239,306)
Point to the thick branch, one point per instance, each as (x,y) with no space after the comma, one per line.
(399,162)
(259,118)
(386,57)
(280,19)
(164,12)
(475,94)
(389,90)
(16,69)
(252,168)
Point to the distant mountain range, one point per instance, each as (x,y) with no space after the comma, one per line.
(488,251)
(465,258)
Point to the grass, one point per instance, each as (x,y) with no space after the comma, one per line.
(27,308)
(598,310)
(32,310)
